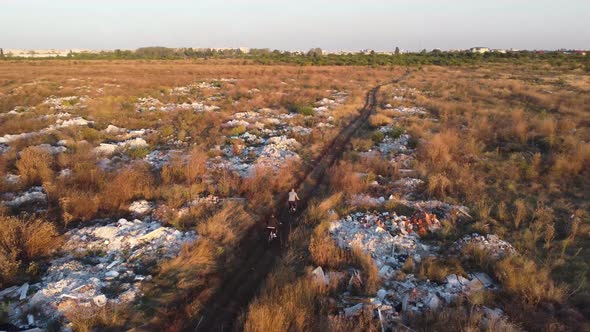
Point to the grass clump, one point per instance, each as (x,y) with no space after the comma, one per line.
(24,241)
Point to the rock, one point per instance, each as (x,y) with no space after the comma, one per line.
(30,319)
(8,291)
(386,271)
(433,302)
(106,149)
(162,231)
(381,294)
(23,291)
(112,274)
(141,208)
(475,285)
(112,264)
(31,196)
(455,281)
(113,130)
(354,310)
(319,276)
(484,279)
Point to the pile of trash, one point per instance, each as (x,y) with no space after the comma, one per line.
(394,145)
(491,243)
(382,232)
(99,265)
(271,153)
(392,240)
(277,150)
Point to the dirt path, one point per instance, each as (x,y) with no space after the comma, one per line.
(243,279)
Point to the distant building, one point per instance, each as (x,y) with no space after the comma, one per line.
(42,53)
(479,50)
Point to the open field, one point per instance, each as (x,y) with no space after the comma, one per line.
(135,196)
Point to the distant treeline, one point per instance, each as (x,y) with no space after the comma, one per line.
(316,57)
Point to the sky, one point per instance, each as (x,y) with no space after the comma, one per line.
(295,24)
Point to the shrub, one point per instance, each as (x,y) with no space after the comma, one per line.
(237,130)
(226,226)
(78,205)
(324,251)
(527,282)
(23,241)
(377,136)
(395,132)
(132,182)
(379,120)
(369,270)
(138,152)
(344,179)
(35,165)
(305,110)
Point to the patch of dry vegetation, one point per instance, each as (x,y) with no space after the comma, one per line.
(512,143)
(22,243)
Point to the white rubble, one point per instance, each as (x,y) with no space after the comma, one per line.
(98,265)
(492,244)
(33,195)
(141,208)
(59,124)
(391,240)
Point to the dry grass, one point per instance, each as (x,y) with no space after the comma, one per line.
(35,166)
(324,251)
(460,319)
(343,178)
(437,270)
(87,319)
(226,226)
(293,307)
(23,241)
(527,282)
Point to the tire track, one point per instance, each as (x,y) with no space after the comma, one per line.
(242,281)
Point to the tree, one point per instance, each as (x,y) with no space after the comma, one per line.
(315,52)
(396,50)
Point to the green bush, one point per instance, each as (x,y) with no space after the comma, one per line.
(138,153)
(305,110)
(236,131)
(395,132)
(377,136)
(166,131)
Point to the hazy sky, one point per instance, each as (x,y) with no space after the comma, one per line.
(295,24)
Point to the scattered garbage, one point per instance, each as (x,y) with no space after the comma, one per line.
(98,265)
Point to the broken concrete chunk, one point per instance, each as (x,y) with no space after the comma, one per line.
(484,279)
(319,276)
(386,271)
(433,302)
(23,291)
